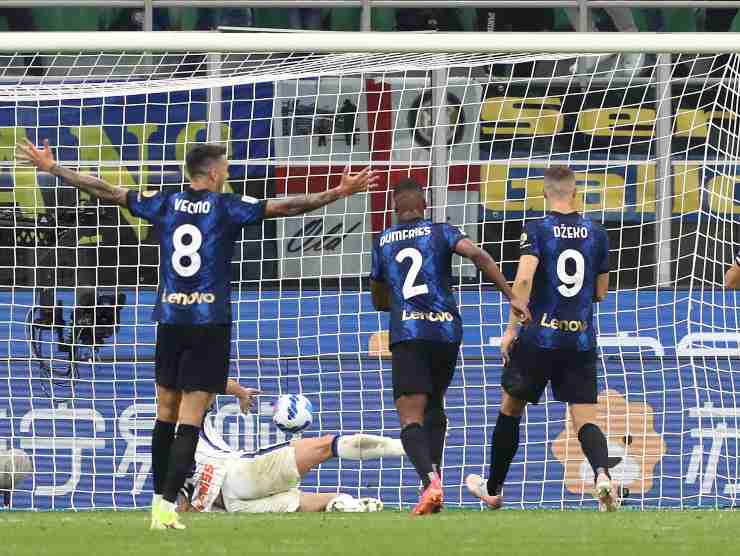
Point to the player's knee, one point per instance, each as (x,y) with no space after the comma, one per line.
(167,410)
(407,421)
(191,415)
(326,441)
(411,408)
(582,415)
(511,406)
(194,406)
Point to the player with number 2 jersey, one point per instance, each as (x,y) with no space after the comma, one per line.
(411,277)
(414,259)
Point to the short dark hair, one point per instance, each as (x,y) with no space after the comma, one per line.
(559,173)
(200,158)
(407,184)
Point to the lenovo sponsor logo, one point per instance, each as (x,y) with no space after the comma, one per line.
(193,298)
(564,325)
(431,316)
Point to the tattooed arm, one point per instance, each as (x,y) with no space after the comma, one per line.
(43,159)
(300,204)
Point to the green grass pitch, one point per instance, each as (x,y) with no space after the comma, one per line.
(511,532)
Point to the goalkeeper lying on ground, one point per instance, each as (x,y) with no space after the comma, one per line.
(234,481)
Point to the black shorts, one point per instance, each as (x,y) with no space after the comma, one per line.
(423,367)
(572,374)
(193,357)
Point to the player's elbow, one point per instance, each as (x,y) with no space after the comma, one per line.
(602,290)
(119,197)
(480,258)
(602,287)
(380,303)
(275,210)
(379,296)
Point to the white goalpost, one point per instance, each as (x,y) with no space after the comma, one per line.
(475,118)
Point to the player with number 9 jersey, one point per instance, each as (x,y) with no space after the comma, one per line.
(563,258)
(572,252)
(563,270)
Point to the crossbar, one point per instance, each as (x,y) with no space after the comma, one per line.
(200,41)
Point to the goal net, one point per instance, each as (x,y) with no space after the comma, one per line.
(655,150)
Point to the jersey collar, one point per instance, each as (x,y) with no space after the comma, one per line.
(192,191)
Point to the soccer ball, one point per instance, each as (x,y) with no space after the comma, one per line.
(14,466)
(293,413)
(372,504)
(346,504)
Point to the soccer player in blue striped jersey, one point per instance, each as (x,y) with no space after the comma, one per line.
(563,270)
(197,230)
(411,277)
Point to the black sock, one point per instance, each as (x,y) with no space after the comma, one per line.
(162,437)
(415,441)
(435,423)
(595,448)
(181,460)
(504,444)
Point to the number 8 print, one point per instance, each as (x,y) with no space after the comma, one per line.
(190,250)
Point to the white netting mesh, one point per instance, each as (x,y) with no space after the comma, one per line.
(654,144)
(103,75)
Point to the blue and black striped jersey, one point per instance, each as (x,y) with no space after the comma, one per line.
(572,252)
(197,231)
(415,260)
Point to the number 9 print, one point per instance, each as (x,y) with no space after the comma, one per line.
(571,283)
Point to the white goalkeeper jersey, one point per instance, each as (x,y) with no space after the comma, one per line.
(213,457)
(250,474)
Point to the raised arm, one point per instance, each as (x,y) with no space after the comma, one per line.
(485,263)
(43,159)
(300,204)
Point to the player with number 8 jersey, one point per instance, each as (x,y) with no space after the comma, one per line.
(197,230)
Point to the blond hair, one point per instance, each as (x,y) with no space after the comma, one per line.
(560,181)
